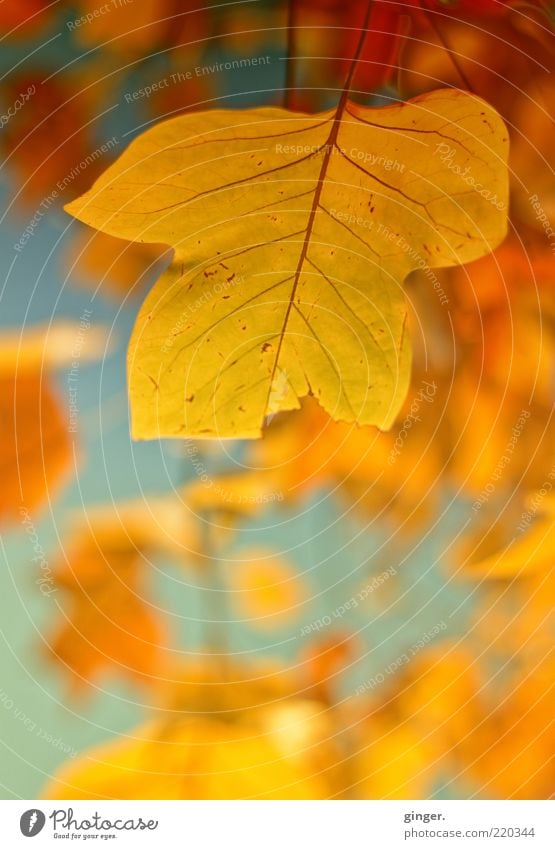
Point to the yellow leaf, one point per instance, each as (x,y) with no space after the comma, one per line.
(125,28)
(115,267)
(35,452)
(293,234)
(236,740)
(380,471)
(265,588)
(109,623)
(157,523)
(36,445)
(52,346)
(525,555)
(243,494)
(395,763)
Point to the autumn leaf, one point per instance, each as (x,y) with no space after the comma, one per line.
(495,737)
(324,661)
(534,190)
(509,751)
(512,355)
(381,472)
(197,759)
(232,495)
(19,20)
(396,763)
(497,58)
(121,30)
(48,142)
(35,443)
(292,236)
(36,447)
(329,28)
(109,624)
(201,687)
(119,268)
(136,30)
(49,346)
(157,523)
(225,502)
(516,616)
(266,589)
(255,747)
(526,554)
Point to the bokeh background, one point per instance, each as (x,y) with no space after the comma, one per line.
(410,537)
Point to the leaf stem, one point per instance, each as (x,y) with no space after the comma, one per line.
(446,46)
(356,57)
(330,144)
(291,53)
(216,634)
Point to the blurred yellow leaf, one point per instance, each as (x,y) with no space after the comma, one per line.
(195,759)
(48,143)
(154,523)
(124,26)
(395,763)
(35,444)
(19,20)
(509,752)
(51,346)
(265,588)
(380,471)
(117,267)
(527,553)
(443,717)
(220,747)
(504,317)
(324,661)
(243,494)
(109,623)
